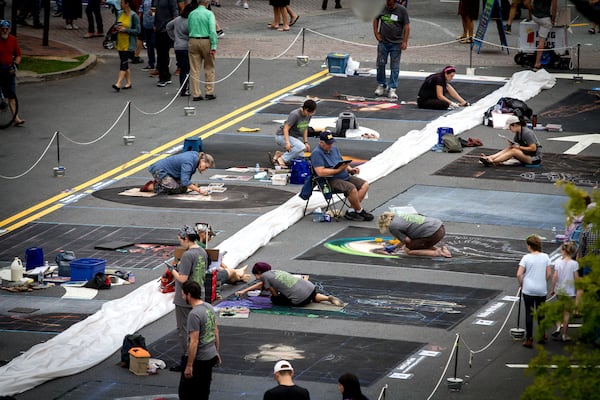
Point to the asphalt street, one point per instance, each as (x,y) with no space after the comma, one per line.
(86,111)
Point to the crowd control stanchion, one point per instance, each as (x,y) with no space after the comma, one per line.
(128,138)
(59,170)
(248,85)
(454,383)
(470,70)
(190,110)
(302,60)
(578,78)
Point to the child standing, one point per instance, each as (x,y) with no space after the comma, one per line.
(563,284)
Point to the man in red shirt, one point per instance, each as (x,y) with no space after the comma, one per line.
(10,58)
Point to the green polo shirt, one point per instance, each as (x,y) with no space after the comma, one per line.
(202,23)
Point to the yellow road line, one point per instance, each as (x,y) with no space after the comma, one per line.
(145,160)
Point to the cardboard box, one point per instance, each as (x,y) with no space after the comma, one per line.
(279,180)
(138,360)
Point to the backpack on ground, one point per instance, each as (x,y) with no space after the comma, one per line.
(130,341)
(345,121)
(452,144)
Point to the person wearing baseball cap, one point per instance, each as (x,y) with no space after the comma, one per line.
(286,389)
(10,58)
(524,146)
(326,159)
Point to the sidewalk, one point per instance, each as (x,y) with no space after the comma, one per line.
(431,43)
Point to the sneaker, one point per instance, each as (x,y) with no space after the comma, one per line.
(88,35)
(556,333)
(380,91)
(335,301)
(507,29)
(392,94)
(353,216)
(185,93)
(246,6)
(367,216)
(220,33)
(148,68)
(528,343)
(162,83)
(69,27)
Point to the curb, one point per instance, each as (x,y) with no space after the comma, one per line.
(32,77)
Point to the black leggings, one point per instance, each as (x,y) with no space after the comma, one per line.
(532,303)
(432,104)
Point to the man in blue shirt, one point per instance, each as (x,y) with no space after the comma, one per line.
(342,179)
(173,175)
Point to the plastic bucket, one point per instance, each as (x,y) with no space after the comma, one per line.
(84,269)
(300,171)
(444,131)
(34,257)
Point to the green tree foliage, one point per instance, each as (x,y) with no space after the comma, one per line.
(574,374)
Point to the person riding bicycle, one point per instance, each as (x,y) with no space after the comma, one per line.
(10,58)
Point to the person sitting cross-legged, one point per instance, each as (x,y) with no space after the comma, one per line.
(342,179)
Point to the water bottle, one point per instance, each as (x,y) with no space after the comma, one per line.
(131,278)
(317,215)
(326,189)
(257,168)
(16,270)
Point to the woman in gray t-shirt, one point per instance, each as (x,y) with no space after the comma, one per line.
(286,289)
(418,234)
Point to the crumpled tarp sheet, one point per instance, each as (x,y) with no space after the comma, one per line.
(86,343)
(94,339)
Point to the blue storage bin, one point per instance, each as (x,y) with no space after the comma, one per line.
(192,144)
(337,62)
(300,171)
(84,269)
(444,131)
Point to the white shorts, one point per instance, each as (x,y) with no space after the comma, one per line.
(544,25)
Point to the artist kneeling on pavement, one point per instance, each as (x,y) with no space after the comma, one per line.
(173,175)
(417,233)
(342,179)
(286,289)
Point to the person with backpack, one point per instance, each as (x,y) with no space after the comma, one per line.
(191,267)
(524,146)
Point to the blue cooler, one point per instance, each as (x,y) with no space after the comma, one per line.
(337,62)
(84,269)
(444,131)
(300,171)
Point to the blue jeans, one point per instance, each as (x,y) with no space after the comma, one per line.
(394,51)
(296,151)
(148,35)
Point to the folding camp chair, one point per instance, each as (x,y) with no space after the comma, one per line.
(321,184)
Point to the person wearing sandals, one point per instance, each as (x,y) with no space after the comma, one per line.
(288,135)
(417,234)
(524,146)
(128,25)
(544,15)
(469,12)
